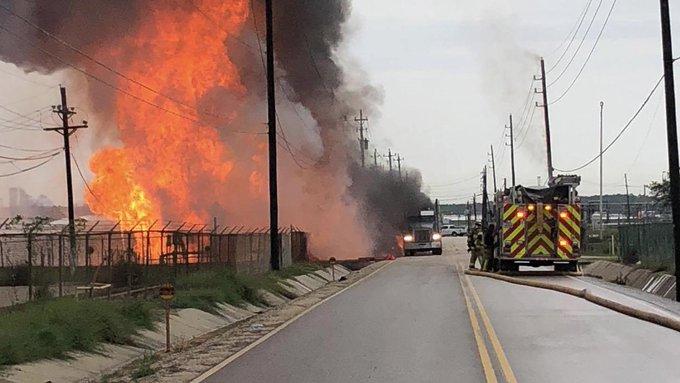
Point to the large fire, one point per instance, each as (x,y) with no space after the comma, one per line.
(180,57)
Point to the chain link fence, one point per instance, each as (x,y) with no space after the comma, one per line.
(650,243)
(110,260)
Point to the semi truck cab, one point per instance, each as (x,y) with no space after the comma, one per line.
(422,234)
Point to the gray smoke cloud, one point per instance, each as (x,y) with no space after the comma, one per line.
(339,201)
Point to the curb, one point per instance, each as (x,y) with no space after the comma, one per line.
(646,316)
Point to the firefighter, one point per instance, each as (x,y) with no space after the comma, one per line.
(475,245)
(490,242)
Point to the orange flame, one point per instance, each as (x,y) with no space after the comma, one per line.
(181,55)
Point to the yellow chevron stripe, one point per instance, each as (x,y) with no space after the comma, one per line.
(561,254)
(533,241)
(512,236)
(541,250)
(511,210)
(574,212)
(568,247)
(566,233)
(572,224)
(531,228)
(547,242)
(521,252)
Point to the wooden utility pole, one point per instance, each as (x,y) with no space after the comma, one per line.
(512,151)
(485,200)
(672,135)
(66,130)
(474,206)
(467,214)
(271,134)
(399,164)
(493,167)
(362,141)
(389,156)
(546,118)
(375,157)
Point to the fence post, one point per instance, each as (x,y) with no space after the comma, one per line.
(60,265)
(29,248)
(186,253)
(200,246)
(88,261)
(110,257)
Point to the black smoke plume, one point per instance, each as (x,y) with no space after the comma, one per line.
(308,36)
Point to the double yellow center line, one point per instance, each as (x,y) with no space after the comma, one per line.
(487,365)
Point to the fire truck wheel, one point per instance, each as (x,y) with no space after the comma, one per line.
(437,252)
(573,266)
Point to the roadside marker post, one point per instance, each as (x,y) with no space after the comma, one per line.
(332,262)
(167,294)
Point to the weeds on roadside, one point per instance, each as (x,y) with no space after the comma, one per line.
(144,366)
(49,329)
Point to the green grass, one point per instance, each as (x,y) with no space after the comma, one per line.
(143,367)
(50,329)
(204,289)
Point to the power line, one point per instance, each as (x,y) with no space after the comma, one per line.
(114,87)
(83,178)
(644,141)
(455,182)
(219,26)
(578,24)
(287,146)
(578,48)
(30,158)
(587,58)
(28,150)
(526,131)
(29,168)
(22,116)
(523,126)
(620,133)
(281,134)
(101,64)
(313,61)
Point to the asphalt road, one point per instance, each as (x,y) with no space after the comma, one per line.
(420,320)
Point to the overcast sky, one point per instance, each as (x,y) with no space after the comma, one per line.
(451,72)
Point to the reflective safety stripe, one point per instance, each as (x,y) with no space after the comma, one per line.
(513,230)
(569,234)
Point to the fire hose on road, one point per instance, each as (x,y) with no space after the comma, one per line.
(647,316)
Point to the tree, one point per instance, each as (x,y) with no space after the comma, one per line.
(661,192)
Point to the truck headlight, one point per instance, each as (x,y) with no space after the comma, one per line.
(436,237)
(408,238)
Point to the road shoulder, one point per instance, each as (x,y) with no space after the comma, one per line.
(212,349)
